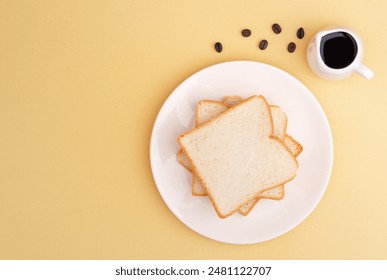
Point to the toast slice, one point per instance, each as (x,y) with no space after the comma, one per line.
(208,109)
(235,156)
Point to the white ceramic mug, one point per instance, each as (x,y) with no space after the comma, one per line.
(321,66)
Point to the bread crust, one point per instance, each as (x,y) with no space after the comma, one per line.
(194,168)
(232,100)
(194,191)
(245,213)
(299,147)
(179,156)
(207,101)
(286,121)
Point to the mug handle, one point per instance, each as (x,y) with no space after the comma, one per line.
(364,71)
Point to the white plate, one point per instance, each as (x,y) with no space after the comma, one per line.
(307,123)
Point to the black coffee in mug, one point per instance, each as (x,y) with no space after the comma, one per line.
(338,49)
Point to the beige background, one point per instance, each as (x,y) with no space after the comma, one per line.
(81,83)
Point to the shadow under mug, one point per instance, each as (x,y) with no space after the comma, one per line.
(336,53)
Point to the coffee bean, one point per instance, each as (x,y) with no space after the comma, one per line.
(300,33)
(276,28)
(291,47)
(246,32)
(263,44)
(218,47)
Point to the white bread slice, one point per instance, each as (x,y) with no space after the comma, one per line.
(235,157)
(208,109)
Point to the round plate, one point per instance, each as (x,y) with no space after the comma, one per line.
(307,124)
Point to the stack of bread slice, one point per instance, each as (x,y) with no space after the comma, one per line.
(238,153)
